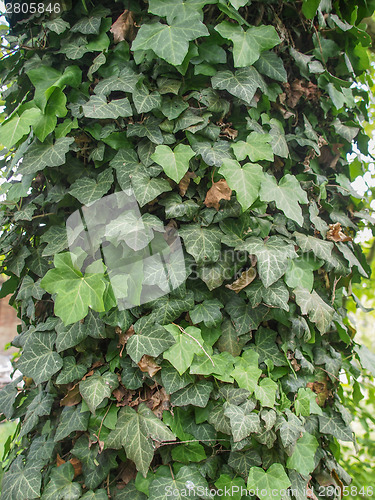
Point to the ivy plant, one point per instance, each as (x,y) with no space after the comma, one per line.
(216,134)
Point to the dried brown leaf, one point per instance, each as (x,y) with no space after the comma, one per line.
(124,27)
(336,234)
(72,397)
(185,182)
(245,279)
(218,191)
(147,365)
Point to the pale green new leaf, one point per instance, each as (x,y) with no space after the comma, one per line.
(257,147)
(175,163)
(75,292)
(318,311)
(248,45)
(287,195)
(246,372)
(134,430)
(306,404)
(14,129)
(265,392)
(302,459)
(187,343)
(264,482)
(246,180)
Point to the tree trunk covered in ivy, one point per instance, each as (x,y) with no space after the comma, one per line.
(178,234)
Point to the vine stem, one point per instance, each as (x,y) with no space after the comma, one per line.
(195,340)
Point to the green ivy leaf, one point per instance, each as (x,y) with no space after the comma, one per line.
(320,248)
(274,478)
(196,394)
(87,190)
(243,83)
(242,425)
(22,480)
(245,377)
(266,348)
(335,425)
(70,371)
(306,404)
(187,343)
(276,295)
(46,154)
(201,242)
(175,163)
(71,419)
(207,312)
(257,147)
(318,311)
(98,107)
(301,272)
(302,459)
(246,180)
(96,388)
(248,45)
(271,65)
(151,340)
(17,126)
(287,195)
(60,485)
(134,430)
(273,257)
(265,392)
(75,292)
(177,483)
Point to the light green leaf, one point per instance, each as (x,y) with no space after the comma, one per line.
(246,372)
(274,478)
(39,360)
(175,163)
(244,180)
(287,195)
(45,154)
(320,248)
(271,65)
(61,485)
(366,357)
(243,83)
(98,107)
(202,243)
(151,340)
(265,392)
(302,459)
(318,311)
(196,394)
(87,190)
(301,272)
(75,292)
(237,4)
(257,147)
(309,8)
(306,404)
(242,425)
(71,419)
(22,481)
(335,425)
(273,257)
(19,125)
(248,45)
(181,354)
(96,388)
(134,430)
(207,312)
(170,42)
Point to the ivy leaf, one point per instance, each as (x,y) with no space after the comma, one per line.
(313,305)
(202,243)
(187,475)
(290,429)
(263,482)
(273,257)
(265,346)
(279,144)
(320,248)
(172,380)
(70,336)
(302,459)
(98,495)
(265,392)
(207,312)
(151,340)
(8,396)
(226,483)
(243,83)
(56,240)
(366,357)
(57,25)
(70,371)
(88,25)
(301,272)
(257,147)
(39,360)
(212,154)
(248,45)
(134,430)
(22,481)
(170,42)
(175,163)
(181,354)
(98,107)
(147,189)
(75,292)
(276,295)
(335,425)
(246,180)
(306,404)
(287,195)
(16,127)
(87,190)
(242,425)
(145,101)
(196,394)
(71,419)
(61,485)
(96,388)
(271,65)
(245,377)
(46,154)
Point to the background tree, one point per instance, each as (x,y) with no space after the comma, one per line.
(230,121)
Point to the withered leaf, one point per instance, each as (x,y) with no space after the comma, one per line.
(72,397)
(218,191)
(148,365)
(335,233)
(124,27)
(185,182)
(245,279)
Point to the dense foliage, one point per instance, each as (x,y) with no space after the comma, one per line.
(231,122)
